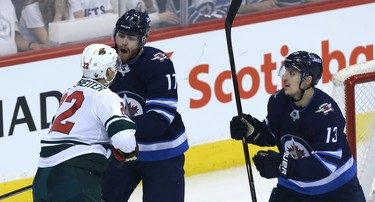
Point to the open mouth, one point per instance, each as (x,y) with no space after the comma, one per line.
(124,51)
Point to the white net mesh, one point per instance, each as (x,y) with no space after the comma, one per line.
(364,110)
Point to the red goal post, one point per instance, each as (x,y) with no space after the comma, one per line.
(354,92)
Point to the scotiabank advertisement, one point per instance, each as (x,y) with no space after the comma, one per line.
(30,91)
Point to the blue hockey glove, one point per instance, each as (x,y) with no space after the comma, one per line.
(247,126)
(267,163)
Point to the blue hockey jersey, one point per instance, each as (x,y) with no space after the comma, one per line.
(148,84)
(314,136)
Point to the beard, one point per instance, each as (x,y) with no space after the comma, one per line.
(126,54)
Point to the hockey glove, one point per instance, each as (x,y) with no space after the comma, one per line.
(267,163)
(287,166)
(247,126)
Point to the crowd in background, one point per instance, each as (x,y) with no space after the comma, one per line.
(24,23)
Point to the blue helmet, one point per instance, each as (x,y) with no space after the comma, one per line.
(134,22)
(309,64)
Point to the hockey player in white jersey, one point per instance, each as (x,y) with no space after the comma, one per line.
(89,122)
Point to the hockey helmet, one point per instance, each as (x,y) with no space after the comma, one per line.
(96,59)
(134,22)
(309,64)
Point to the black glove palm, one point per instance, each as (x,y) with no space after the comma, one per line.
(247,126)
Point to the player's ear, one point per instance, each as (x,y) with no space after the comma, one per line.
(108,72)
(308,80)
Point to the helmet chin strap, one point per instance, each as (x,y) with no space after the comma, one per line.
(300,98)
(302,92)
(109,82)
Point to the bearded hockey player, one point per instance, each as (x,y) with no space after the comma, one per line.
(148,84)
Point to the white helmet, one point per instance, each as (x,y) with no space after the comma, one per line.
(96,59)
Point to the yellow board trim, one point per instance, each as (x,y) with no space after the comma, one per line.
(200,159)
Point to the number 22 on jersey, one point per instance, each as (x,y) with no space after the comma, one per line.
(77,97)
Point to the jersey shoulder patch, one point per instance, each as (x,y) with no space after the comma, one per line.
(155,54)
(325,108)
(160,56)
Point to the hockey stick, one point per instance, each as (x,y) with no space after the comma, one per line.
(233,8)
(18,191)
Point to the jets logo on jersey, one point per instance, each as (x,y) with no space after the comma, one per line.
(295,146)
(160,56)
(133,107)
(325,108)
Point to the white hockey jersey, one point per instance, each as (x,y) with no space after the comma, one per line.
(88,116)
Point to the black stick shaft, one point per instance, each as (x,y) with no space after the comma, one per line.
(234,6)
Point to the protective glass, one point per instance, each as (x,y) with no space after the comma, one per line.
(282,71)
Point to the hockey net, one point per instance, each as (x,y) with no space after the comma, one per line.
(354,92)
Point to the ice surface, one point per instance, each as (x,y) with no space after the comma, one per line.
(230,185)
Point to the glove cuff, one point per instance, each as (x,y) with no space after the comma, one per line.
(287,166)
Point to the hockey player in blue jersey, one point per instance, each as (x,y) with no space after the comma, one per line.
(315,163)
(147,82)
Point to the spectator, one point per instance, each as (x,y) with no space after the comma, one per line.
(202,10)
(158,19)
(265,5)
(37,14)
(314,1)
(257,5)
(115,6)
(18,5)
(286,3)
(10,39)
(199,10)
(90,8)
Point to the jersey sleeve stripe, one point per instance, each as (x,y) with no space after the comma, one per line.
(334,154)
(168,103)
(143,146)
(328,165)
(327,184)
(169,116)
(119,124)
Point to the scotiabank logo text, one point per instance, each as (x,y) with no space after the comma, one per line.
(336,57)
